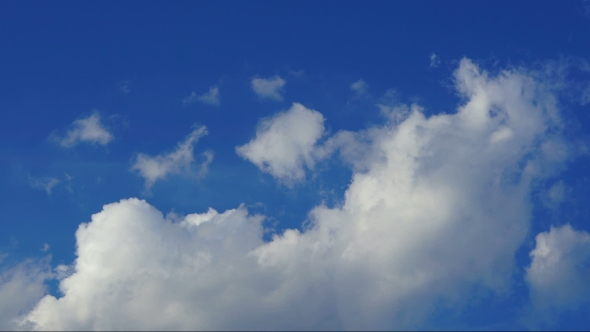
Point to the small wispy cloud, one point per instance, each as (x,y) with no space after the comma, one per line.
(46,184)
(89,130)
(124,86)
(45,247)
(269,88)
(297,73)
(69,179)
(434,60)
(210,97)
(179,161)
(359,88)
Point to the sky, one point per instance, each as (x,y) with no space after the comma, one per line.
(288,165)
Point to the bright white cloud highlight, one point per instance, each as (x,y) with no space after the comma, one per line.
(179,161)
(211,97)
(89,130)
(436,212)
(270,88)
(559,272)
(284,144)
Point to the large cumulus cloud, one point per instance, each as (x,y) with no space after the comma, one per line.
(436,209)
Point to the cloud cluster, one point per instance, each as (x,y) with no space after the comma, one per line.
(436,208)
(269,88)
(285,143)
(179,161)
(89,130)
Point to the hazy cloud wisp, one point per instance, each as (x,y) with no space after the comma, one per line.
(89,130)
(269,88)
(179,161)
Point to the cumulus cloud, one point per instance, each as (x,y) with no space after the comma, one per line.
(559,273)
(284,144)
(210,97)
(89,130)
(179,161)
(435,213)
(270,88)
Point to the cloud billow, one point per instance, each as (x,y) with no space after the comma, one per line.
(438,209)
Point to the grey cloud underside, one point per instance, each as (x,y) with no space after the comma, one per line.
(436,209)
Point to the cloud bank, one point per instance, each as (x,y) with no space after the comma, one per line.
(269,88)
(89,130)
(180,161)
(434,213)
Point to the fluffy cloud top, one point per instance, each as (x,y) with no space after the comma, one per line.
(285,143)
(211,97)
(89,130)
(437,212)
(270,88)
(560,270)
(179,161)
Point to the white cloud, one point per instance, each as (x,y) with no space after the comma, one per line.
(434,60)
(46,184)
(436,214)
(270,88)
(559,273)
(179,161)
(285,143)
(210,97)
(45,247)
(359,88)
(89,130)
(21,287)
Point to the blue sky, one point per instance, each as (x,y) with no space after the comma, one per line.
(432,157)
